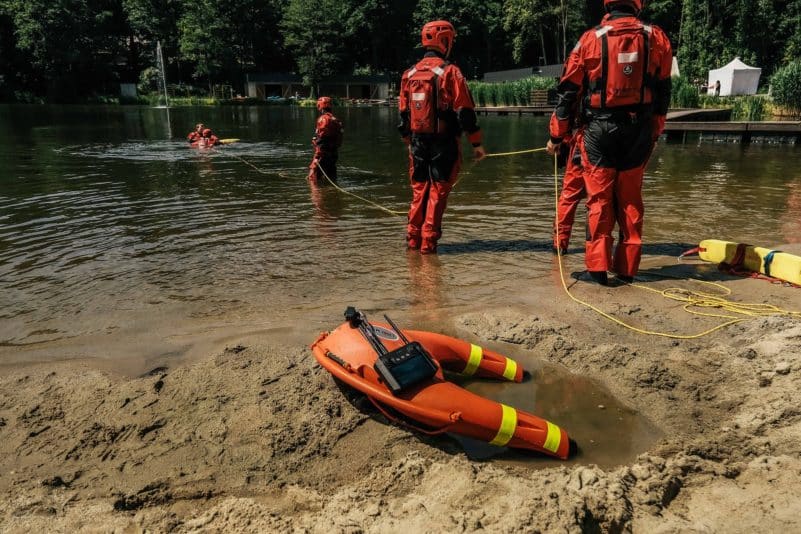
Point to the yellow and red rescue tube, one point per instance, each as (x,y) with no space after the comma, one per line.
(772,263)
(467,359)
(437,405)
(198,144)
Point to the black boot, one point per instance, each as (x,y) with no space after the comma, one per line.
(625,279)
(599,277)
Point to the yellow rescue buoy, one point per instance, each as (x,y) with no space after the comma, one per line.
(769,262)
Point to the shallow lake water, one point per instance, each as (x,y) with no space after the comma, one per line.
(120,243)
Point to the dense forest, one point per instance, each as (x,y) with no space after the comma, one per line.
(71,49)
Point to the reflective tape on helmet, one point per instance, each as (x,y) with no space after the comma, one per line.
(553,438)
(510,370)
(476,354)
(507,428)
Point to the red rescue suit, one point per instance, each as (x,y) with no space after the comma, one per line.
(204,139)
(573,191)
(326,142)
(435,157)
(208,141)
(620,74)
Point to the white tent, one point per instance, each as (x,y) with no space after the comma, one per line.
(736,78)
(674,68)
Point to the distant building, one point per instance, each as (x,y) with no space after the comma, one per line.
(281,84)
(544,71)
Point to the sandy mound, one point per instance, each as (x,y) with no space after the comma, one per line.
(261,439)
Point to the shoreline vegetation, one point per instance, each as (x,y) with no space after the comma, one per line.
(533,91)
(751,108)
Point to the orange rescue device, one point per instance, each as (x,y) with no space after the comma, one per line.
(434,405)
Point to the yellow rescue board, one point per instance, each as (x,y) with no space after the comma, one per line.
(769,262)
(228,141)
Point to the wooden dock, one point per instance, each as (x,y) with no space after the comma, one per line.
(689,115)
(681,122)
(515,110)
(677,130)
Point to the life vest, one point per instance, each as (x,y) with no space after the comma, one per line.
(329,130)
(623,78)
(336,130)
(424,98)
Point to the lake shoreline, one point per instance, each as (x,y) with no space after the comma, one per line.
(258,437)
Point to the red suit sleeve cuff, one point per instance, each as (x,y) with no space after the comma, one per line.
(475,138)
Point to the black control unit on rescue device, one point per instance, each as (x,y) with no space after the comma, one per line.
(405,366)
(401,368)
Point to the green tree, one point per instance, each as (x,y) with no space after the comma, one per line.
(790,30)
(203,40)
(381,33)
(154,20)
(151,21)
(479,29)
(313,32)
(545,30)
(667,15)
(73,43)
(700,41)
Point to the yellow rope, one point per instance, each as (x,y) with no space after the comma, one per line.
(529,151)
(246,162)
(503,154)
(379,206)
(692,299)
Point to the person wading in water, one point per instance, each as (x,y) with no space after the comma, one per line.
(435,108)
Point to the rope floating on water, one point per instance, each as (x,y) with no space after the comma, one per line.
(527,151)
(375,204)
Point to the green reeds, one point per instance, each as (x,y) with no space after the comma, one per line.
(515,93)
(743,108)
(749,108)
(684,94)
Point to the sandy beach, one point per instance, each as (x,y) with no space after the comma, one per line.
(257,437)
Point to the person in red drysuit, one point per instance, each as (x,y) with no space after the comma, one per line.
(208,139)
(435,108)
(573,191)
(194,136)
(326,142)
(620,73)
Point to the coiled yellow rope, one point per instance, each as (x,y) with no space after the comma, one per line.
(692,299)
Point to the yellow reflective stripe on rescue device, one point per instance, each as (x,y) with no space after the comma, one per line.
(508,426)
(510,370)
(553,438)
(476,353)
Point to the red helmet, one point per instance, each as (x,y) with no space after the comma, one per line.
(324,102)
(439,35)
(636,4)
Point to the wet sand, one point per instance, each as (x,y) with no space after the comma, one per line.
(257,437)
